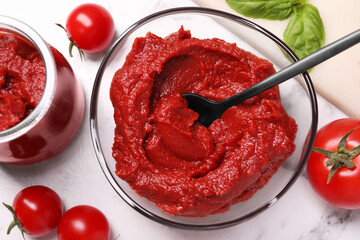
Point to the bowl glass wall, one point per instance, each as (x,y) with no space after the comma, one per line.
(298,98)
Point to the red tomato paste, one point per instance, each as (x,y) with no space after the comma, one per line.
(22,79)
(165,155)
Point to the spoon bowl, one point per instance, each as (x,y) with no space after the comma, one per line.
(207,109)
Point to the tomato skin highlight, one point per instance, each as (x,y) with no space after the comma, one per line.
(343,190)
(38,209)
(83,222)
(91,27)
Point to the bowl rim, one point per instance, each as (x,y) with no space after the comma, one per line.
(95,135)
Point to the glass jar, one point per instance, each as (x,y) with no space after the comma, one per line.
(54,122)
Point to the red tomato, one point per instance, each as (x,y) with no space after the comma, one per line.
(83,222)
(90,27)
(38,209)
(343,189)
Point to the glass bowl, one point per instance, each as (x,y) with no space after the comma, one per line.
(297,94)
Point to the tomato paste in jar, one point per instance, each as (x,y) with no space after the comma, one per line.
(41,102)
(165,155)
(22,79)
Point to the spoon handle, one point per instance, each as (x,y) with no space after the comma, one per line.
(296,68)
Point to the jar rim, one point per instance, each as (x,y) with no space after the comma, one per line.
(24,30)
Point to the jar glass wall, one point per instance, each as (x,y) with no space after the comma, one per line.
(53,123)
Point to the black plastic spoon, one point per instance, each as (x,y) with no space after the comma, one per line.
(210,110)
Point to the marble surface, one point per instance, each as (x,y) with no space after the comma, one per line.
(76,175)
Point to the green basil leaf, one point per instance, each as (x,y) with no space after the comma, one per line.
(266,9)
(305,31)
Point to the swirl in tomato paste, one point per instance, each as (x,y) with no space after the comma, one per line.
(22,79)
(165,155)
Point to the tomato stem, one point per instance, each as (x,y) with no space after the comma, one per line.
(341,158)
(354,152)
(72,43)
(15,222)
(11,226)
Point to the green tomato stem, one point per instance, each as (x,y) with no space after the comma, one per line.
(11,226)
(341,158)
(342,143)
(354,152)
(15,222)
(72,43)
(71,46)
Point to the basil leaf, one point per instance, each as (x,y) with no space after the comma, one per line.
(266,9)
(305,31)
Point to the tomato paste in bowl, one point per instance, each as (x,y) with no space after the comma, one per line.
(183,167)
(41,102)
(159,159)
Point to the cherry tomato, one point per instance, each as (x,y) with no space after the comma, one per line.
(90,27)
(37,210)
(83,222)
(335,175)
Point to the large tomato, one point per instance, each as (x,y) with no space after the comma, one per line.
(37,210)
(334,165)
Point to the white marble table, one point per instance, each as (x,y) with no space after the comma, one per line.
(76,175)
